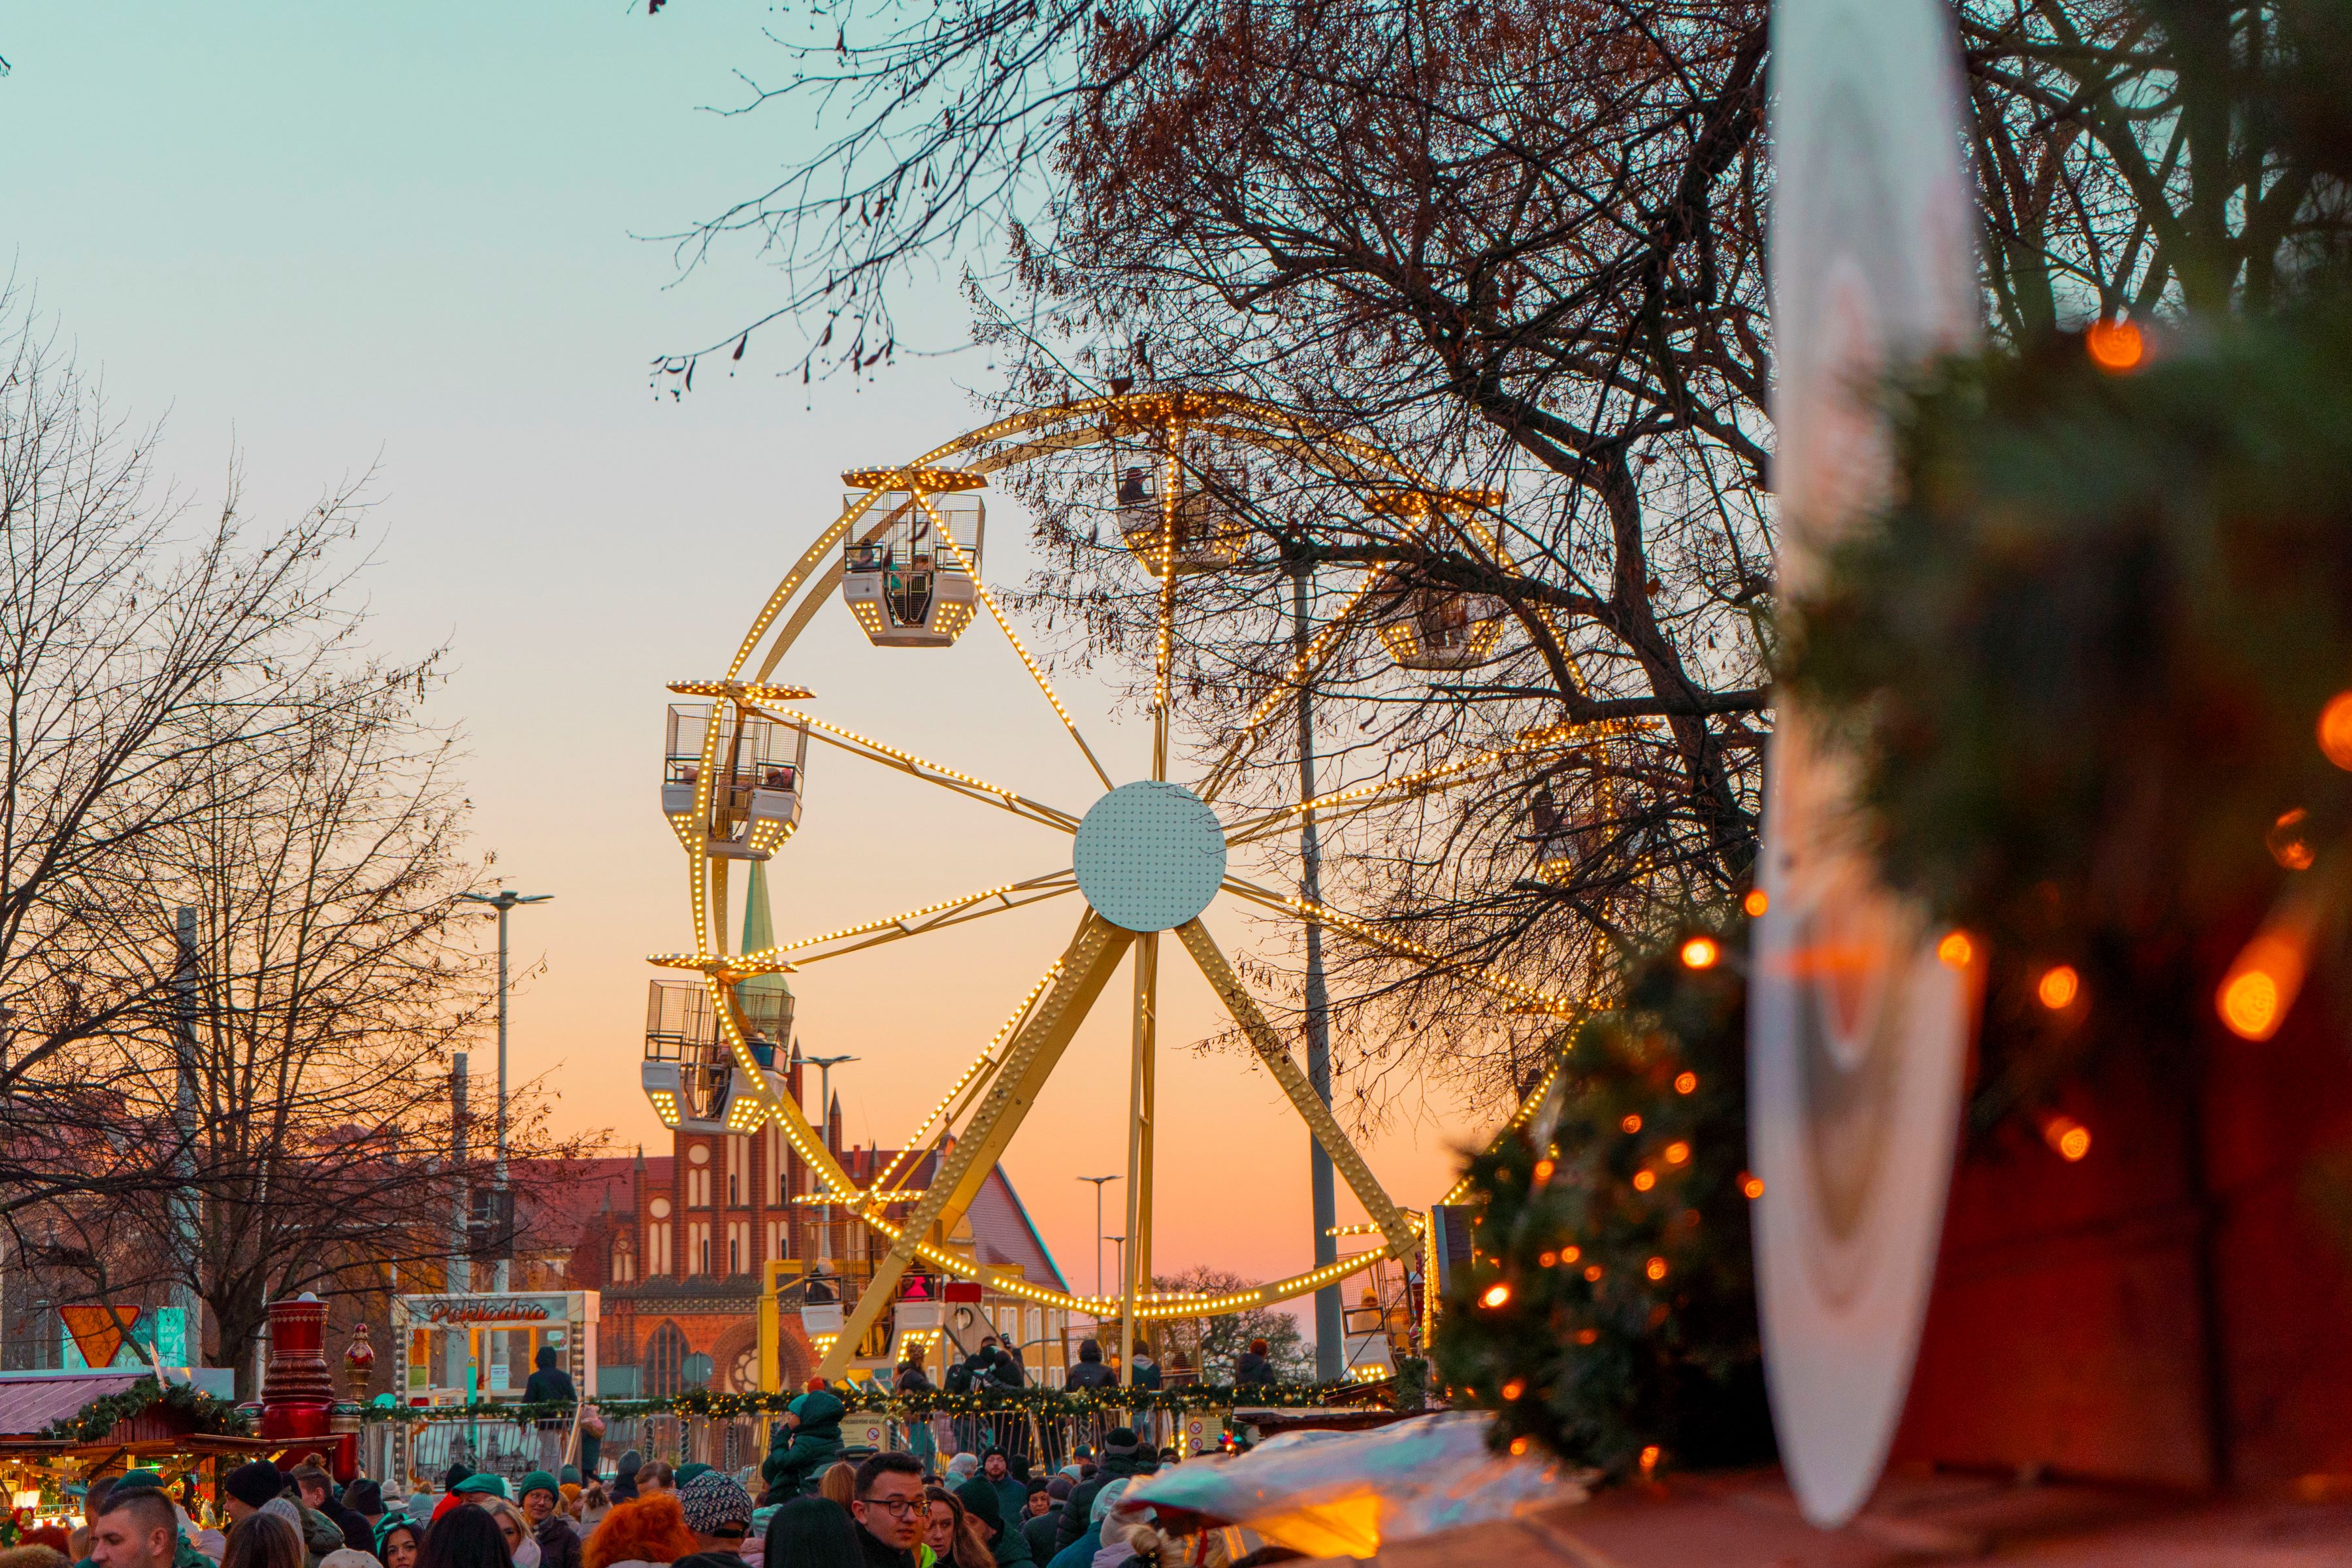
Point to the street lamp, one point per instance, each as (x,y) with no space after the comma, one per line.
(824,1066)
(505,901)
(1099,1182)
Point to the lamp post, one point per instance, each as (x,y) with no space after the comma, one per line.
(504,901)
(1322,1187)
(1099,1182)
(824,1066)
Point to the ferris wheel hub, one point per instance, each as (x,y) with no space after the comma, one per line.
(1149,856)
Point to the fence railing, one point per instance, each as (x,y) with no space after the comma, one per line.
(418,1448)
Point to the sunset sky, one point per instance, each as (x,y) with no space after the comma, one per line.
(327,238)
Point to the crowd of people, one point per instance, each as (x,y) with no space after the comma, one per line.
(889,1510)
(983,1509)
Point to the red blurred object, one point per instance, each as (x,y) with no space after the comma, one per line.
(298,1394)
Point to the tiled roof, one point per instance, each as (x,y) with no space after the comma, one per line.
(1002,1234)
(29,1404)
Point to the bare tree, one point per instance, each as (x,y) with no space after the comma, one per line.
(139,656)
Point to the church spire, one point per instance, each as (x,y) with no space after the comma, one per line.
(766,999)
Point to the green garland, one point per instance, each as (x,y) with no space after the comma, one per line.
(215,1417)
(1045,1402)
(2081,661)
(1609,1314)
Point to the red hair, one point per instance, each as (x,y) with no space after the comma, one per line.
(644,1530)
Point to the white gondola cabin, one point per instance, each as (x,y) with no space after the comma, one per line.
(754,803)
(1432,626)
(1437,628)
(689,1069)
(1206,527)
(910,562)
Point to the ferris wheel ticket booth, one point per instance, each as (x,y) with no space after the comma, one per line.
(471,1348)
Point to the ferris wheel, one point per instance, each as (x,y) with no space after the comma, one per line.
(1176,474)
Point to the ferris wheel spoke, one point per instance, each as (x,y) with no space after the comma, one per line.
(1037,671)
(971,1086)
(1392,1224)
(1340,804)
(1086,965)
(1303,668)
(787,956)
(1370,935)
(931,773)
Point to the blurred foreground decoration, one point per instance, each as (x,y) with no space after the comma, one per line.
(1609,1316)
(1859,1029)
(1347,1494)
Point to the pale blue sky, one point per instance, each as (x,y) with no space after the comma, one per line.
(335,235)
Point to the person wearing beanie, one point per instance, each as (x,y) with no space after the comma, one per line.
(807,1439)
(481,1483)
(1123,1458)
(718,1512)
(1011,1543)
(1043,1525)
(251,1487)
(559,1543)
(365,1497)
(624,1482)
(690,1469)
(569,1475)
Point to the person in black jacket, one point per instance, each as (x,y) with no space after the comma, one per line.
(1090,1372)
(1254,1365)
(1123,1458)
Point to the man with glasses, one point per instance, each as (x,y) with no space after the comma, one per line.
(890,1509)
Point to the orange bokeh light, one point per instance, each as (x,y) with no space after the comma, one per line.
(1632,1124)
(1956,950)
(1545,1261)
(1515,1387)
(2263,982)
(2116,346)
(1650,1457)
(1518,1446)
(1544,1168)
(1752,1186)
(1592,1274)
(2335,730)
(1588,1336)
(1657,1268)
(1677,1152)
(1700,953)
(2249,1005)
(1497,1294)
(2286,843)
(1571,1254)
(2069,1137)
(1645,1180)
(1756,902)
(1687,1083)
(2058,987)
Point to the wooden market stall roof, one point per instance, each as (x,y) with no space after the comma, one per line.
(29,1404)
